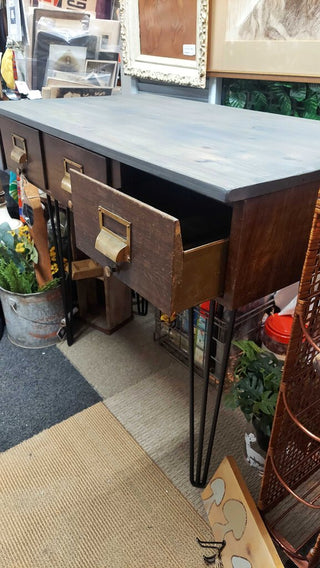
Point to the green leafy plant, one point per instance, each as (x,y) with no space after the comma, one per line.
(257,379)
(295,99)
(18,256)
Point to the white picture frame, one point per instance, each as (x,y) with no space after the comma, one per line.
(188,72)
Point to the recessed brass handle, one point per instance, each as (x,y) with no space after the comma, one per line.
(66,180)
(110,244)
(19,150)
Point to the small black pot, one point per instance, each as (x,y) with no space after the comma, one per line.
(262,438)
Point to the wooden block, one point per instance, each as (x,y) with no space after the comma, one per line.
(118,302)
(86,268)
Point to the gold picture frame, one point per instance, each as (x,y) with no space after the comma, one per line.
(185,65)
(266,38)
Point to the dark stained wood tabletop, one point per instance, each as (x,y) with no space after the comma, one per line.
(225,153)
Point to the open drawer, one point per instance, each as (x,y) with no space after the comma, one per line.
(174,263)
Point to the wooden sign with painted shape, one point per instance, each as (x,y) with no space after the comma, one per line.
(234,517)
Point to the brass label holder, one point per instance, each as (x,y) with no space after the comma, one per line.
(110,244)
(19,150)
(66,180)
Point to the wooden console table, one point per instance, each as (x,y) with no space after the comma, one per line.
(184,201)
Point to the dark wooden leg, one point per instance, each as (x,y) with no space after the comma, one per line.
(118,302)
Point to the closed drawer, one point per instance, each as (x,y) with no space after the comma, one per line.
(60,157)
(22,149)
(154,253)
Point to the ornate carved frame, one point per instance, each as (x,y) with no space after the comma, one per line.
(169,70)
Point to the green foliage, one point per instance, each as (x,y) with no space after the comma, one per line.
(257,380)
(12,279)
(295,99)
(18,255)
(50,285)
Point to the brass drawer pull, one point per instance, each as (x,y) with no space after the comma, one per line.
(19,150)
(66,180)
(109,243)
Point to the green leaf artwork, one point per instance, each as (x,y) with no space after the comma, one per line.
(291,99)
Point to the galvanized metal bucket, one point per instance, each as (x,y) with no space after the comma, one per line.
(33,320)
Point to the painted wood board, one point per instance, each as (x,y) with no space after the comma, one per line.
(225,153)
(234,517)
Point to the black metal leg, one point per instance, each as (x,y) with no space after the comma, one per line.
(191,394)
(199,479)
(69,275)
(66,298)
(142,304)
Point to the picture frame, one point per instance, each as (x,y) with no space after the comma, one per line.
(51,15)
(177,60)
(104,70)
(257,39)
(108,34)
(62,92)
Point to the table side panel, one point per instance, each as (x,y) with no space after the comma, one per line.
(268,240)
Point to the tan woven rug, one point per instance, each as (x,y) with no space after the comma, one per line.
(85,494)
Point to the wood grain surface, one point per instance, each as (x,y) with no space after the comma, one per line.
(225,153)
(166,26)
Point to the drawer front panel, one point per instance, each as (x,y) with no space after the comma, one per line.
(144,246)
(22,149)
(155,250)
(60,157)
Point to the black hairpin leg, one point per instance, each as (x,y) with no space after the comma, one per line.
(142,305)
(217,546)
(69,274)
(54,216)
(199,478)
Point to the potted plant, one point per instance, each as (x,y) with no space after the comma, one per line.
(255,390)
(32,311)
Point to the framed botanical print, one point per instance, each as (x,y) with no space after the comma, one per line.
(165,41)
(265,37)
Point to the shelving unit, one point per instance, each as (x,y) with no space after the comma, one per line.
(173,335)
(291,477)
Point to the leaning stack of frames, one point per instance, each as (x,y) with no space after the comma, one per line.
(293,460)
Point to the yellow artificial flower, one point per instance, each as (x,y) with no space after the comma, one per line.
(52,253)
(54,268)
(20,247)
(23,230)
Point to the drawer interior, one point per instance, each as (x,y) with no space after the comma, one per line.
(202,220)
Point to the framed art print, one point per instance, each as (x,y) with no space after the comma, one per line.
(279,38)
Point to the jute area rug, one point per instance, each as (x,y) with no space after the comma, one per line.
(84,494)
